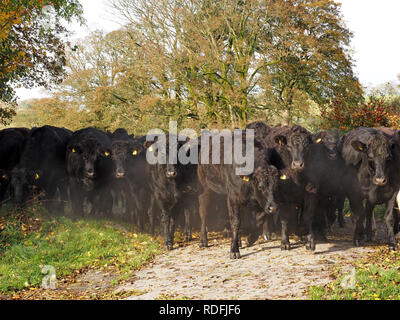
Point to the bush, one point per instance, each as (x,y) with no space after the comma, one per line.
(376,112)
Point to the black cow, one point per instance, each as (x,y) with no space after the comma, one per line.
(372,162)
(170,184)
(290,147)
(89,167)
(254,189)
(129,168)
(12,143)
(41,168)
(325,169)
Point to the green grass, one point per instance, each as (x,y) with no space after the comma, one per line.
(377,278)
(33,239)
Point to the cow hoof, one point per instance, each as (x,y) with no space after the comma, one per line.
(251,240)
(310,246)
(267,237)
(369,239)
(285,246)
(168,247)
(393,247)
(235,255)
(359,243)
(188,238)
(203,244)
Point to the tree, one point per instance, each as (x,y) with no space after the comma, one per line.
(217,59)
(32,49)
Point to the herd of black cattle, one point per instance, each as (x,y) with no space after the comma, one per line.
(299,184)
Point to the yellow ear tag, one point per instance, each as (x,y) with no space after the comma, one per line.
(73,150)
(106,154)
(4,176)
(37,176)
(283,177)
(134,153)
(319,140)
(246,179)
(361,148)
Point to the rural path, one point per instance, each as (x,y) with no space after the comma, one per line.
(263,272)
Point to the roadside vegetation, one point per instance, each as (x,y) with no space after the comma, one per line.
(32,239)
(377,277)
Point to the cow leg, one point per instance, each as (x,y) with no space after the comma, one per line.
(369,215)
(234,215)
(391,217)
(188,226)
(285,211)
(310,205)
(166,223)
(340,206)
(150,213)
(359,217)
(267,230)
(204,204)
(77,197)
(252,237)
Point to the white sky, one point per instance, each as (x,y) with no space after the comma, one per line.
(375,44)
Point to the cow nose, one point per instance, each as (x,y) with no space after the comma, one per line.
(380,181)
(271,209)
(171,174)
(90,173)
(120,174)
(296,165)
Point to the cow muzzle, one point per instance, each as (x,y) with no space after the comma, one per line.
(380,181)
(90,173)
(120,174)
(298,165)
(171,174)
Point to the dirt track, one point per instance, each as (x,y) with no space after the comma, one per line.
(263,272)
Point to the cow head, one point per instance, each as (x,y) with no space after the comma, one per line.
(172,167)
(265,182)
(377,152)
(295,144)
(24,183)
(330,140)
(90,153)
(124,153)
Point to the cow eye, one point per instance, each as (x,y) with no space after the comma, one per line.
(107,154)
(4,176)
(37,177)
(134,152)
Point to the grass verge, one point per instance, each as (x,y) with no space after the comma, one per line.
(376,277)
(33,239)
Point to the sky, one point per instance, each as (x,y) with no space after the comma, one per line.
(375,46)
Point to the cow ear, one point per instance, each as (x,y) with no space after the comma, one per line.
(148,144)
(359,146)
(317,138)
(4,176)
(258,143)
(281,140)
